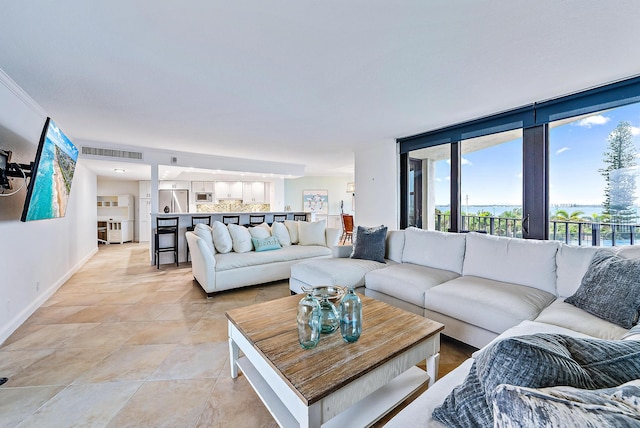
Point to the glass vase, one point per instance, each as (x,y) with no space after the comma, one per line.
(308,321)
(351,316)
(330,318)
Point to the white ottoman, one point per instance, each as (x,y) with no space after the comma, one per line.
(346,272)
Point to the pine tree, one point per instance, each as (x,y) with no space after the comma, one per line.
(619,174)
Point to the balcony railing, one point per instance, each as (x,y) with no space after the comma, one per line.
(570,232)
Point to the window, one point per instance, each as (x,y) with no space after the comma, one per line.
(429,181)
(545,131)
(594,178)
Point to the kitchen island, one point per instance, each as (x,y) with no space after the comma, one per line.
(184,222)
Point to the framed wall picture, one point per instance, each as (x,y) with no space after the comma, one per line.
(316,201)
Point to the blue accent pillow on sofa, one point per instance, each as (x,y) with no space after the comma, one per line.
(538,361)
(370,243)
(610,289)
(266,244)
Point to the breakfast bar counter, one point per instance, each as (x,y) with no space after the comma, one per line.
(184,223)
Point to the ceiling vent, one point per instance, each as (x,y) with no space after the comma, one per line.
(111,153)
(174,160)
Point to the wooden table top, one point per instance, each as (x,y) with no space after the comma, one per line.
(313,374)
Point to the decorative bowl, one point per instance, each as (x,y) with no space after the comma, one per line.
(334,293)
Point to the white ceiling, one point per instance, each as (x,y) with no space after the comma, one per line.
(303,82)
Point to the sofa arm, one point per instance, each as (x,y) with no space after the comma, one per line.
(203,262)
(332,235)
(341,251)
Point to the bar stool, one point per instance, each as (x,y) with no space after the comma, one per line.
(256,219)
(205,219)
(231,219)
(299,217)
(166,226)
(279,217)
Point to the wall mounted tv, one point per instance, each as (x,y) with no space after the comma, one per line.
(51,175)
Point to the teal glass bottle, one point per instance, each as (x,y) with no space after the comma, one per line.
(330,317)
(308,320)
(351,316)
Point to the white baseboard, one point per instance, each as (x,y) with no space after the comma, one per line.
(21,317)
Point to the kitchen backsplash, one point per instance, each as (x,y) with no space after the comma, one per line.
(232,206)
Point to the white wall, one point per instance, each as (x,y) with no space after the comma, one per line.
(336,186)
(377,185)
(37,257)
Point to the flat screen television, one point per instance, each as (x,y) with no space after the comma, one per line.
(51,175)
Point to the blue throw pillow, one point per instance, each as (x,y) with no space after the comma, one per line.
(266,244)
(370,243)
(610,289)
(538,361)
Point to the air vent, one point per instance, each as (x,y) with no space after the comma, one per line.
(110,153)
(174,160)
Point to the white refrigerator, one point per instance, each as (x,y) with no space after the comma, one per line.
(173,201)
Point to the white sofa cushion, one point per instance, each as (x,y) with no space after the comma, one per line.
(292,227)
(229,261)
(334,271)
(221,237)
(434,249)
(518,261)
(492,305)
(566,315)
(280,231)
(206,233)
(572,263)
(407,281)
(311,233)
(241,238)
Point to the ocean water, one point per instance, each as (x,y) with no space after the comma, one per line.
(44,199)
(496,210)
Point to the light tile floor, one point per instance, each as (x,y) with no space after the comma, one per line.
(124,344)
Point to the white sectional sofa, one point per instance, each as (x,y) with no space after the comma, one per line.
(216,271)
(482,288)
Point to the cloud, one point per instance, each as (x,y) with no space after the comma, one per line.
(590,121)
(447,178)
(519,175)
(438,179)
(635,130)
(464,161)
(562,150)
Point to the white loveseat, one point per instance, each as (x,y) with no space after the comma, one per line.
(482,288)
(216,271)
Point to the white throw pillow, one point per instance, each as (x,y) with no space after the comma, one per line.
(311,233)
(221,238)
(439,250)
(280,231)
(292,227)
(241,238)
(205,232)
(266,226)
(259,232)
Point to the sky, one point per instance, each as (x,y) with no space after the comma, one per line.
(493,176)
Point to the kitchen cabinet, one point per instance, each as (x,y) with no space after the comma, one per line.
(145,189)
(254,192)
(173,185)
(116,213)
(228,190)
(202,186)
(144,218)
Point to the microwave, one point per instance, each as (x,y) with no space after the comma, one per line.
(204,197)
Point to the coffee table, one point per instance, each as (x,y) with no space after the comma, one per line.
(336,383)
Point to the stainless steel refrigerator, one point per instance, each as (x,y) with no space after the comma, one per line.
(173,201)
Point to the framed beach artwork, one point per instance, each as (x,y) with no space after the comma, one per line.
(316,201)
